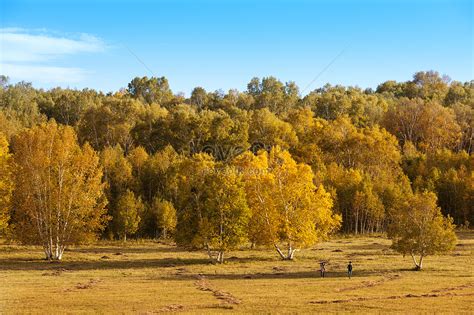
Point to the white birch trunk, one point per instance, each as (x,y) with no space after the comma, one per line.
(418,265)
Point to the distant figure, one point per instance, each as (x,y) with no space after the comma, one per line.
(322,268)
(349,269)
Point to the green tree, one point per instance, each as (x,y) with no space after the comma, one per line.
(165,217)
(267,130)
(159,175)
(118,178)
(419,229)
(446,173)
(137,158)
(364,109)
(151,90)
(144,129)
(430,85)
(67,106)
(128,212)
(111,123)
(212,208)
(459,93)
(427,85)
(226,215)
(273,94)
(199,98)
(19,104)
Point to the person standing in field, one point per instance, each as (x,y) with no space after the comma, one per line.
(322,268)
(349,269)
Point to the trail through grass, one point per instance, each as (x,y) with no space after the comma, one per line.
(149,277)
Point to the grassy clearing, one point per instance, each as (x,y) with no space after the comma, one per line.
(149,277)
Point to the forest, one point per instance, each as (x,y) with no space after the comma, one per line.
(267,167)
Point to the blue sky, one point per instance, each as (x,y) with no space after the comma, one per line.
(223,44)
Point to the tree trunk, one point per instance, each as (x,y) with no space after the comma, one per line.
(291,253)
(53,253)
(50,247)
(418,265)
(47,252)
(356,222)
(61,252)
(209,252)
(280,252)
(56,250)
(220,257)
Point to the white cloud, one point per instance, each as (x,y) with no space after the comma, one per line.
(17,45)
(28,54)
(44,74)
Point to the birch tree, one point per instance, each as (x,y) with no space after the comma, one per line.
(58,199)
(288,210)
(165,216)
(224,225)
(419,229)
(212,210)
(127,216)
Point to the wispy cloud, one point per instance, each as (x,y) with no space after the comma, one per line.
(30,55)
(44,74)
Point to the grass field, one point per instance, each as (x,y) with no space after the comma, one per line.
(149,277)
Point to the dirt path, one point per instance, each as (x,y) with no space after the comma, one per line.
(459,287)
(444,292)
(369,284)
(203,284)
(171,308)
(83,286)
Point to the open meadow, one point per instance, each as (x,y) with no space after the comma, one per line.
(149,277)
(249,157)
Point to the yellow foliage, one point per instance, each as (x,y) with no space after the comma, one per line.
(59,194)
(6,182)
(287,208)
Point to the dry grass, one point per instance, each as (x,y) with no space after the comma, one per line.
(148,277)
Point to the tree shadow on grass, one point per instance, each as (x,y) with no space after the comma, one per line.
(100,264)
(112,262)
(124,250)
(465,235)
(270,275)
(373,246)
(122,263)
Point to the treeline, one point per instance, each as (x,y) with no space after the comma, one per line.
(218,168)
